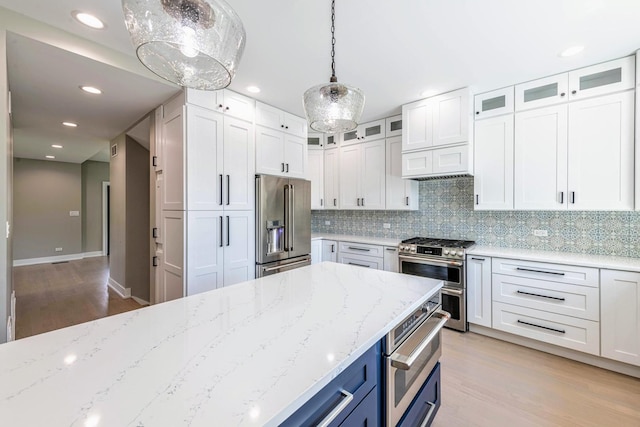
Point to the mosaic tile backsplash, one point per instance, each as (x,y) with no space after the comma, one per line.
(446,211)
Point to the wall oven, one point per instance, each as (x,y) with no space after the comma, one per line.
(442,260)
(412,350)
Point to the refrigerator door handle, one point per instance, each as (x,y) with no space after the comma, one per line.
(292,204)
(287,218)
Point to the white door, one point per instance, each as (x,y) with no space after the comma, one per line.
(493,163)
(204,251)
(331,178)
(400,194)
(451,118)
(269,116)
(372,183)
(390,260)
(350,158)
(239,167)
(239,246)
(620,315)
(173,153)
(316,251)
(316,175)
(269,151)
(204,158)
(295,125)
(173,262)
(601,150)
(238,106)
(295,156)
(479,290)
(329,250)
(541,159)
(417,120)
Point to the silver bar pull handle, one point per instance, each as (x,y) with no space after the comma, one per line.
(228,189)
(391,249)
(555,273)
(280,267)
(561,331)
(355,248)
(538,295)
(404,362)
(359,265)
(427,418)
(348,397)
(292,216)
(287,218)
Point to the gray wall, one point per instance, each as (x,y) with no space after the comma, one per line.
(118,210)
(93,175)
(45,192)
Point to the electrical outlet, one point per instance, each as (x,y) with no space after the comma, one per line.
(327,223)
(386,225)
(541,233)
(58,249)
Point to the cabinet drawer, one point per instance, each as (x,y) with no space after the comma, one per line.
(361,261)
(361,249)
(577,334)
(560,298)
(359,379)
(428,398)
(583,276)
(367,413)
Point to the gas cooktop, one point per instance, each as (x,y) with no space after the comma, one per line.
(442,243)
(440,248)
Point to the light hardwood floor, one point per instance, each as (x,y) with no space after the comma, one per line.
(488,382)
(54,296)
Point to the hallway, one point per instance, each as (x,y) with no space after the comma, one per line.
(54,296)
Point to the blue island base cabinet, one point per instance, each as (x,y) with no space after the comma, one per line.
(359,379)
(426,404)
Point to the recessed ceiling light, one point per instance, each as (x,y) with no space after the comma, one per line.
(91,89)
(56,146)
(573,50)
(429,92)
(70,124)
(253,89)
(88,19)
(50,157)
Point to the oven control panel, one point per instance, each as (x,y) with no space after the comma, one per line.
(455,253)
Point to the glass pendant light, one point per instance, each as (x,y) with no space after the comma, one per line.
(333,107)
(194,43)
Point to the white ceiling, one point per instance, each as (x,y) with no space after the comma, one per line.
(392,50)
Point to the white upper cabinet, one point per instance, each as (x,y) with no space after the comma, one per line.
(601,79)
(365,132)
(223,101)
(331,178)
(542,92)
(279,153)
(393,126)
(401,194)
(362,176)
(316,176)
(541,159)
(331,140)
(274,118)
(494,103)
(417,118)
(238,165)
(451,118)
(493,177)
(315,141)
(173,147)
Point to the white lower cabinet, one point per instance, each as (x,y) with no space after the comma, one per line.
(361,261)
(329,250)
(172,256)
(479,290)
(390,258)
(361,254)
(316,251)
(620,315)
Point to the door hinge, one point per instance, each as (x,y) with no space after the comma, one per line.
(155,261)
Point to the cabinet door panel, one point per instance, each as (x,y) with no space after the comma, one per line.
(417,163)
(204,158)
(173,137)
(493,163)
(601,148)
(350,157)
(269,151)
(602,78)
(541,159)
(295,156)
(494,103)
(204,251)
(479,290)
(239,250)
(315,141)
(417,119)
(316,175)
(209,99)
(269,116)
(451,160)
(332,179)
(620,315)
(542,92)
(390,260)
(330,250)
(394,126)
(451,118)
(238,106)
(400,194)
(173,251)
(372,130)
(373,174)
(295,125)
(239,165)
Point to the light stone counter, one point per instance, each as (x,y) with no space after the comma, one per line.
(598,261)
(246,355)
(382,241)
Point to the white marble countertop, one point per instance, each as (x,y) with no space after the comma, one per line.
(597,261)
(245,355)
(356,239)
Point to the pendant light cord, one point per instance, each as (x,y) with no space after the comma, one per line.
(333,42)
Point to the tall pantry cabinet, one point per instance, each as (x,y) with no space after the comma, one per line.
(204,180)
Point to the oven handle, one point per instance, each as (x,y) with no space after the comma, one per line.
(404,362)
(427,260)
(450,291)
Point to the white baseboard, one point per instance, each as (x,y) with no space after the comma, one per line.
(140,300)
(92,254)
(119,289)
(600,362)
(58,258)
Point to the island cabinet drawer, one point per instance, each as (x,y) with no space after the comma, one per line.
(343,394)
(361,261)
(425,406)
(361,249)
(583,276)
(565,331)
(560,298)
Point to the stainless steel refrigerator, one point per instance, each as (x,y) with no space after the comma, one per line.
(283,224)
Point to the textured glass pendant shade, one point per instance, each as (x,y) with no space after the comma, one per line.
(194,43)
(333,107)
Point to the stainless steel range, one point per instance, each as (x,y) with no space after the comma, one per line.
(441,259)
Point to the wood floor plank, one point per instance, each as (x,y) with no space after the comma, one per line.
(488,382)
(54,296)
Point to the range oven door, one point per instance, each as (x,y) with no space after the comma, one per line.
(409,366)
(454,301)
(452,272)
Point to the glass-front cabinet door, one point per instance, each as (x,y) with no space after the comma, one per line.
(394,126)
(315,141)
(542,92)
(612,76)
(494,103)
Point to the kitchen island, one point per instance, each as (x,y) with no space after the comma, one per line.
(247,355)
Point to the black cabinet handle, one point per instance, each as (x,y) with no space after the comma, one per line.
(538,295)
(287,167)
(321,202)
(220,231)
(335,202)
(562,197)
(220,105)
(477,199)
(155,261)
(539,271)
(282,126)
(478,259)
(573,197)
(228,189)
(228,235)
(477,112)
(226,108)
(282,167)
(574,92)
(221,189)
(155,161)
(154,232)
(543,327)
(562,94)
(407,200)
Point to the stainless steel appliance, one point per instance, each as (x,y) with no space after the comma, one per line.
(412,350)
(283,224)
(441,259)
